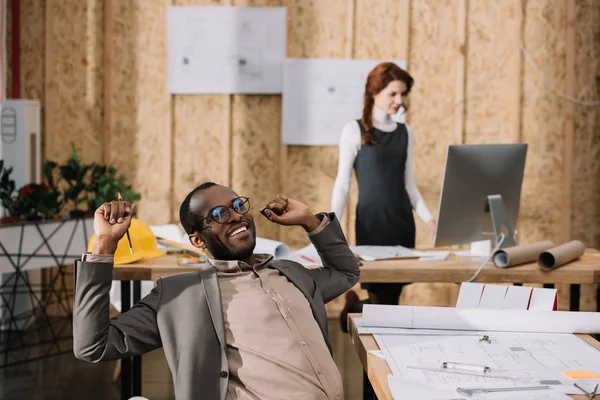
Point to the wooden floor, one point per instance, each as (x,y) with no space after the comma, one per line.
(65,377)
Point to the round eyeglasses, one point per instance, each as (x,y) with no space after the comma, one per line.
(221,214)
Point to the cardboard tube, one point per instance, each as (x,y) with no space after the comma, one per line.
(561,255)
(517,255)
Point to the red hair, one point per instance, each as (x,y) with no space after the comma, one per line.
(378,79)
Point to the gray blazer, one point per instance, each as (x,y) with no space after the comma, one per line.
(183,314)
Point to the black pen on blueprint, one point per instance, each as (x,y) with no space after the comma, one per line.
(128,237)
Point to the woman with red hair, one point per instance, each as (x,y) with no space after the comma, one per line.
(381,152)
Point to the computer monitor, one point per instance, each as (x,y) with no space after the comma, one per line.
(481,191)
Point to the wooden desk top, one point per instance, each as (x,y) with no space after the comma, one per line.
(377,368)
(453,269)
(461,269)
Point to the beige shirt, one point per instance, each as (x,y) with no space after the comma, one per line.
(275,347)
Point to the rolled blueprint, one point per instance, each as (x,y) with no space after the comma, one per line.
(476,319)
(517,255)
(277,249)
(560,255)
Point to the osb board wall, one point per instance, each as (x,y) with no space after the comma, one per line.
(138,106)
(543,122)
(586,179)
(74,72)
(100,69)
(492,72)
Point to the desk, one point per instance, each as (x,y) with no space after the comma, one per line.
(461,269)
(376,369)
(453,270)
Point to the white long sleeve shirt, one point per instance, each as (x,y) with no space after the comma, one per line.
(350,143)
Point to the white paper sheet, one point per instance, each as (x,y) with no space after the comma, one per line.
(400,332)
(493,296)
(405,390)
(543,299)
(433,255)
(372,253)
(170,232)
(469,295)
(226,49)
(517,298)
(377,353)
(375,315)
(307,256)
(320,96)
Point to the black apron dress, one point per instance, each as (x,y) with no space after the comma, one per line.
(384,214)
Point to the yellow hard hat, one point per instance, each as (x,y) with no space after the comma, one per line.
(146,239)
(143,243)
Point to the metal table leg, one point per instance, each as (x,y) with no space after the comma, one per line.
(574,300)
(368,392)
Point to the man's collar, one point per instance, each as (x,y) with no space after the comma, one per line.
(229,266)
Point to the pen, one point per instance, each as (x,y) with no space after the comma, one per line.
(466,367)
(308,259)
(461,372)
(128,237)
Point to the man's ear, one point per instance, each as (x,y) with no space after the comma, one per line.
(196,240)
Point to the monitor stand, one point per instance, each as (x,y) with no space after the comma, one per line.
(500,221)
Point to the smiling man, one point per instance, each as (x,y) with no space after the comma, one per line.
(245,327)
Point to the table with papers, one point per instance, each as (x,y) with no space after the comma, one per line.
(535,358)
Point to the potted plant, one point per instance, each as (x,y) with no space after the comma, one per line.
(52,178)
(74,174)
(104,186)
(36,201)
(7,199)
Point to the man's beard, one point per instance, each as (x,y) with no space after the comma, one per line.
(221,251)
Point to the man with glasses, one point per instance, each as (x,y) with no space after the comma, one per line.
(245,327)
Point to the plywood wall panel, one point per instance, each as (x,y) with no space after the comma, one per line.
(543,122)
(316,29)
(586,168)
(200,144)
(381,32)
(140,107)
(121,88)
(435,104)
(257,3)
(256,139)
(586,161)
(33,32)
(74,78)
(201,135)
(492,51)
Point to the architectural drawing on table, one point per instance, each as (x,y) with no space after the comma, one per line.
(527,358)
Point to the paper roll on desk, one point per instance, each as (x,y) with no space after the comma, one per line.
(518,255)
(560,255)
(277,249)
(476,319)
